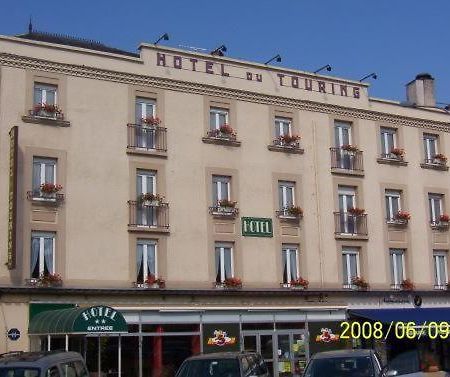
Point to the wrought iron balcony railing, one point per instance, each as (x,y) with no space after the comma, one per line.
(223,211)
(149,216)
(351,224)
(351,160)
(439,225)
(397,221)
(147,137)
(41,113)
(45,198)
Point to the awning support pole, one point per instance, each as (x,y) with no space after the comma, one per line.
(49,340)
(67,342)
(119,355)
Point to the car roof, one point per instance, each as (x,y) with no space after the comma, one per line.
(36,359)
(220,355)
(343,353)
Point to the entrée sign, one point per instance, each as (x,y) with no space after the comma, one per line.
(228,70)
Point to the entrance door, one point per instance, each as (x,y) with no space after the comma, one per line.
(283,351)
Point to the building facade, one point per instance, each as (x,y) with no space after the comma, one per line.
(198,194)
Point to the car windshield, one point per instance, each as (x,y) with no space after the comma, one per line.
(211,368)
(415,361)
(18,372)
(341,367)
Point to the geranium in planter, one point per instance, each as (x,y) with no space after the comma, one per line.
(46,110)
(288,140)
(350,148)
(149,199)
(153,281)
(224,131)
(403,215)
(444,218)
(232,283)
(226,203)
(440,158)
(50,189)
(356,211)
(295,211)
(151,121)
(50,280)
(407,285)
(398,152)
(360,283)
(299,283)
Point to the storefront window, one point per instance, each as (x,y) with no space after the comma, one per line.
(130,356)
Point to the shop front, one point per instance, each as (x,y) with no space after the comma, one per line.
(153,343)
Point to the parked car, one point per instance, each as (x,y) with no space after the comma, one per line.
(226,364)
(344,363)
(42,364)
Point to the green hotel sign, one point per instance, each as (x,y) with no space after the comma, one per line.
(257,227)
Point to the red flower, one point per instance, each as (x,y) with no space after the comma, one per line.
(50,188)
(226,203)
(407,285)
(233,282)
(398,152)
(360,282)
(349,148)
(226,129)
(300,282)
(444,218)
(153,121)
(47,107)
(440,157)
(295,211)
(288,139)
(402,215)
(356,211)
(151,280)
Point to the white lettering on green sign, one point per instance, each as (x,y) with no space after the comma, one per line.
(257,227)
(99,311)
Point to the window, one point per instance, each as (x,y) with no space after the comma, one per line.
(145,108)
(388,141)
(283,126)
(397,267)
(68,369)
(440,268)
(342,133)
(436,210)
(224,261)
(393,206)
(146,259)
(146,184)
(430,144)
(350,265)
(42,254)
(290,263)
(145,132)
(286,194)
(347,201)
(221,188)
(217,118)
(44,171)
(45,94)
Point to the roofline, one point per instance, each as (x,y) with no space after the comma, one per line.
(398,103)
(70,48)
(242,62)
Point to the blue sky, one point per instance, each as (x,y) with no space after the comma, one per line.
(394,38)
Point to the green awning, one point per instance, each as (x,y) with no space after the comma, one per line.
(87,320)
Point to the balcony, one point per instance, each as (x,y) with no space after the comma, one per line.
(286,145)
(347,161)
(41,198)
(50,116)
(439,225)
(392,159)
(293,214)
(397,222)
(222,136)
(396,287)
(148,217)
(350,226)
(227,210)
(147,139)
(435,163)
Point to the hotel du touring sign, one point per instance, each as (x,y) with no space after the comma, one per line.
(257,227)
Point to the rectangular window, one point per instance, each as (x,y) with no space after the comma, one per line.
(42,254)
(221,188)
(283,126)
(430,144)
(146,215)
(45,94)
(436,207)
(393,204)
(145,182)
(388,141)
(146,259)
(397,266)
(350,265)
(290,263)
(224,261)
(342,133)
(286,194)
(440,268)
(145,108)
(44,171)
(217,118)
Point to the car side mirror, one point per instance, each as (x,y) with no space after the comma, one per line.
(386,372)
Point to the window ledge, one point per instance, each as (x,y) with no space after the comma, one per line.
(148,229)
(285,149)
(398,224)
(147,152)
(221,141)
(355,173)
(348,236)
(440,167)
(392,161)
(46,121)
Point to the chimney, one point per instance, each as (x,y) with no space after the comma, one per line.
(420,92)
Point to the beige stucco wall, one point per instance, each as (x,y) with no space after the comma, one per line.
(95,248)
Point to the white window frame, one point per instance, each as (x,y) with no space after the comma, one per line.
(217,111)
(145,243)
(144,102)
(434,218)
(42,236)
(385,132)
(222,246)
(145,180)
(44,88)
(218,187)
(285,186)
(340,127)
(394,260)
(279,126)
(347,252)
(286,251)
(428,139)
(439,255)
(391,196)
(43,162)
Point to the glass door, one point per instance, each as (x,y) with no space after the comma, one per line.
(263,343)
(291,353)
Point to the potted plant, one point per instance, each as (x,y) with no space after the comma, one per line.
(232,283)
(153,281)
(440,158)
(50,280)
(407,285)
(360,283)
(349,148)
(151,121)
(224,131)
(288,140)
(226,206)
(356,211)
(398,153)
(151,200)
(295,211)
(299,283)
(49,190)
(46,110)
(444,218)
(402,215)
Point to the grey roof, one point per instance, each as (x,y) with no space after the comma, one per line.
(73,41)
(343,353)
(36,359)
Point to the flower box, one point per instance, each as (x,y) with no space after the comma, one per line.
(440,159)
(46,110)
(398,153)
(349,148)
(356,211)
(407,285)
(151,200)
(223,132)
(288,141)
(151,121)
(49,190)
(151,282)
(230,283)
(46,280)
(360,283)
(290,213)
(402,215)
(299,283)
